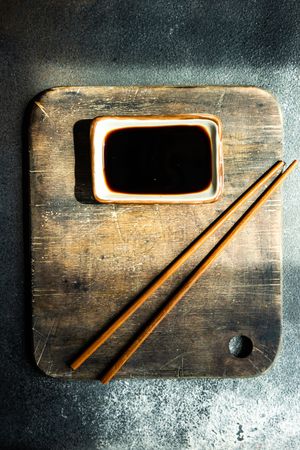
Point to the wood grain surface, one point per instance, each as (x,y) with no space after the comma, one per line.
(90,260)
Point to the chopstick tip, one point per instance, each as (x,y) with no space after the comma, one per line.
(293,164)
(104,381)
(74,366)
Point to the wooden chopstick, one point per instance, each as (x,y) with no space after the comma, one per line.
(196,274)
(175,265)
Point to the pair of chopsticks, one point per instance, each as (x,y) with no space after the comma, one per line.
(195,274)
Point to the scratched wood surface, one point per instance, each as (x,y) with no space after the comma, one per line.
(90,260)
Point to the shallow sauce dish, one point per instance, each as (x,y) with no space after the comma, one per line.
(157,159)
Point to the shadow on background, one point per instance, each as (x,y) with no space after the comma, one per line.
(161,33)
(83,174)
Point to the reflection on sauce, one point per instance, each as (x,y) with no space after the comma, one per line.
(158,160)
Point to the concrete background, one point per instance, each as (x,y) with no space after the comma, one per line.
(76,42)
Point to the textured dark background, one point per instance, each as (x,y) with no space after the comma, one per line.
(75,42)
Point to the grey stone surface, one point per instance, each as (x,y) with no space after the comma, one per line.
(76,42)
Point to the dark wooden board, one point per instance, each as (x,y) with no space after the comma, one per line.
(90,260)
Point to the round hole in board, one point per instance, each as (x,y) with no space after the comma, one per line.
(240,346)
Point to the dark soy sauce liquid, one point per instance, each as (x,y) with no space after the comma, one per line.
(158,160)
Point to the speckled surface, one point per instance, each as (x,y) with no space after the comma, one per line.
(44,44)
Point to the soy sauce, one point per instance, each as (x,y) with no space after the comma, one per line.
(158,160)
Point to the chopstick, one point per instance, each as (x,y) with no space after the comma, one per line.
(173,266)
(196,274)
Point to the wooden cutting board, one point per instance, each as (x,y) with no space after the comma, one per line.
(90,260)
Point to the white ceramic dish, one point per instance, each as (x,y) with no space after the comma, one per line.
(102,127)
